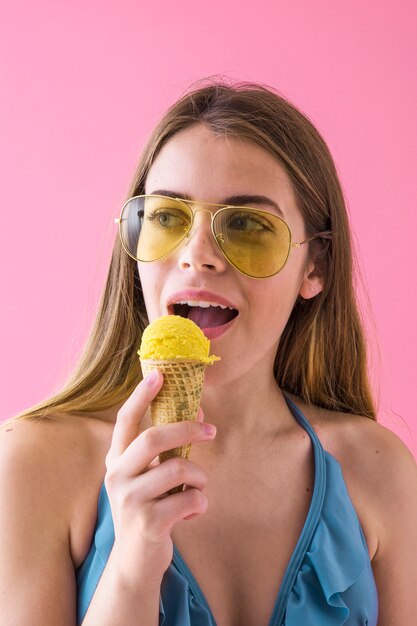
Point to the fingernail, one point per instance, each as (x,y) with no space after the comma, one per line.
(151,378)
(209,429)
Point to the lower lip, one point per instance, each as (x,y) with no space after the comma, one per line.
(217,331)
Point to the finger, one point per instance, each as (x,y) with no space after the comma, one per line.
(178,506)
(131,413)
(156,439)
(176,471)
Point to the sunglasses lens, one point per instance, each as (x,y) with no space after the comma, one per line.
(152,226)
(256,242)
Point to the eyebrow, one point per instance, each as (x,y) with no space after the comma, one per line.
(237,200)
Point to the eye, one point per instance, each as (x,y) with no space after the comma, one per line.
(168,218)
(248,222)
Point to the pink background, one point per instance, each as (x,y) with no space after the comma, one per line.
(83,83)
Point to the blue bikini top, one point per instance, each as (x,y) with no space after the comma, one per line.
(328,580)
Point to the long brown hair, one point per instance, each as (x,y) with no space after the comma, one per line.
(322,355)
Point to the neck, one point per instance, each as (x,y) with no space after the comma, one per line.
(246,412)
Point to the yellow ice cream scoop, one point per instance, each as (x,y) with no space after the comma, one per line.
(178,348)
(175,337)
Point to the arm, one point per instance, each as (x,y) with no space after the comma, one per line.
(37,581)
(40,469)
(37,573)
(394,564)
(116,602)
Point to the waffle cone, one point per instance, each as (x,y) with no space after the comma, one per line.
(178,399)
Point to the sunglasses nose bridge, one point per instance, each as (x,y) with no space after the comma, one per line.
(194,213)
(202,211)
(217,236)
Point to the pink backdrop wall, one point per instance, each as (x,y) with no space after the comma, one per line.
(83,83)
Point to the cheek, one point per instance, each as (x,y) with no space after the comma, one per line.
(151,282)
(278,293)
(272,304)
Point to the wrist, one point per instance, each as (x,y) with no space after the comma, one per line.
(134,575)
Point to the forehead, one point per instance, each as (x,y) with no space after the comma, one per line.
(209,167)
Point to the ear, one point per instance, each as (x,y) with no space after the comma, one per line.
(311,284)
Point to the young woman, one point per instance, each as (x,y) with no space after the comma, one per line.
(300,509)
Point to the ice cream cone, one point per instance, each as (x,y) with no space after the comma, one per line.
(178,348)
(178,399)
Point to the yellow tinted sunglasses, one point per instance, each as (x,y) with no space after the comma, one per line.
(257,243)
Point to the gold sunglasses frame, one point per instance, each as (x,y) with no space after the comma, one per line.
(292,244)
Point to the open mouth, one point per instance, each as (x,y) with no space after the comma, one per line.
(204,314)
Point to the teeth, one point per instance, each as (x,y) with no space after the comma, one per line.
(203,304)
(200,303)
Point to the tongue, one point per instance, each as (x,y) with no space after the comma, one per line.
(210,317)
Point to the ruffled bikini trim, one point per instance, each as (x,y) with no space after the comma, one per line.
(335,559)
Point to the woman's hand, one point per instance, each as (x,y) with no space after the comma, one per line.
(137,484)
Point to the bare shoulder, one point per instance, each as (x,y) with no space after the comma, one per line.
(56,462)
(58,447)
(379,470)
(50,475)
(365,447)
(354,439)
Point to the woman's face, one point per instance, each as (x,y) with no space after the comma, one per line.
(198,165)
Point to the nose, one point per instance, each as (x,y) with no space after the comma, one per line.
(200,251)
